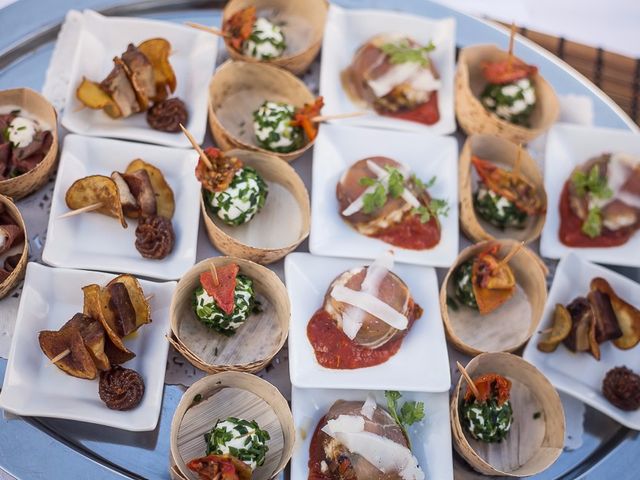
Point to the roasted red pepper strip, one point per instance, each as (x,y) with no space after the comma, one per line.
(303,118)
(490,385)
(218,178)
(504,72)
(239,26)
(493,284)
(220,467)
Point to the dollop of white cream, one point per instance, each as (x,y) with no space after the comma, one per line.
(21,131)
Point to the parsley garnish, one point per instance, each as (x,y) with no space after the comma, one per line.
(592,183)
(410,412)
(403,52)
(436,208)
(592,226)
(376,199)
(372,201)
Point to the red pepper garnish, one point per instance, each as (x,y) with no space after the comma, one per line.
(507,72)
(239,26)
(493,284)
(220,467)
(490,385)
(217,178)
(223,288)
(303,117)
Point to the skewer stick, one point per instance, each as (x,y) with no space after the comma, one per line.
(337,116)
(467,377)
(61,355)
(197,148)
(205,28)
(78,211)
(516,248)
(511,42)
(214,274)
(149,297)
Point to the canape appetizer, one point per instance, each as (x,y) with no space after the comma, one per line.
(224,302)
(394,75)
(92,341)
(141,76)
(242,439)
(505,198)
(600,202)
(224,467)
(357,440)
(366,314)
(283,128)
(621,386)
(488,417)
(254,36)
(233,192)
(587,322)
(380,198)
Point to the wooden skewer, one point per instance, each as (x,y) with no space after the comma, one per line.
(197,148)
(337,116)
(61,355)
(214,274)
(511,42)
(205,28)
(78,211)
(547,330)
(467,377)
(516,248)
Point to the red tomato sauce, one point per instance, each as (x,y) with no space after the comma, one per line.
(335,350)
(571,234)
(411,233)
(426,113)
(316,454)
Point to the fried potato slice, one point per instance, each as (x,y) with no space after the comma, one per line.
(96,189)
(165,201)
(136,295)
(78,363)
(560,330)
(627,315)
(92,96)
(157,50)
(93,336)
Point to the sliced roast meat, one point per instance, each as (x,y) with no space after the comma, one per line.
(24,159)
(5,120)
(9,236)
(117,85)
(607,327)
(5,159)
(617,214)
(122,307)
(141,75)
(140,185)
(582,316)
(127,199)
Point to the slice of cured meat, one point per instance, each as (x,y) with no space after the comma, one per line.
(224,288)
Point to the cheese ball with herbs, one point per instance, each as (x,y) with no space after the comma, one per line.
(273,129)
(266,41)
(463,286)
(241,200)
(487,421)
(497,209)
(513,102)
(210,314)
(240,438)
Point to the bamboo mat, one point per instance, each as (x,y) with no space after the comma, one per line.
(617,75)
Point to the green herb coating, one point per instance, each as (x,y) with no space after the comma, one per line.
(243,439)
(242,200)
(497,210)
(513,102)
(487,421)
(463,285)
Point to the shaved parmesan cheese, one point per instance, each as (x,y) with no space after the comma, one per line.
(372,305)
(344,423)
(407,196)
(410,73)
(358,203)
(369,406)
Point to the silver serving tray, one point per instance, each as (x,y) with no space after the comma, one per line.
(41,448)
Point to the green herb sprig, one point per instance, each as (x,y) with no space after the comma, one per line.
(592,226)
(592,183)
(376,199)
(409,413)
(404,52)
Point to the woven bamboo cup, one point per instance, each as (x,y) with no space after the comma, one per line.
(536,437)
(263,239)
(302,24)
(507,328)
(253,345)
(224,395)
(473,117)
(237,89)
(14,277)
(503,153)
(38,107)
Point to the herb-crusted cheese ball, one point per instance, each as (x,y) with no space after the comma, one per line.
(463,285)
(244,197)
(243,439)
(487,421)
(273,129)
(513,102)
(215,318)
(266,41)
(497,210)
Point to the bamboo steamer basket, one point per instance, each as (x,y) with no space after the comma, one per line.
(273,171)
(536,437)
(473,117)
(237,89)
(231,394)
(503,153)
(40,108)
(511,325)
(302,25)
(18,273)
(254,344)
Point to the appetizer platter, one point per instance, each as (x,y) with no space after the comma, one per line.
(209,447)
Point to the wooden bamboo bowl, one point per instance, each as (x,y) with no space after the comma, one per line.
(231,394)
(302,24)
(536,438)
(18,273)
(253,345)
(503,153)
(237,89)
(510,326)
(39,107)
(473,117)
(241,241)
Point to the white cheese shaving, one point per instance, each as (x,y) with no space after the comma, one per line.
(344,423)
(411,73)
(407,196)
(369,407)
(372,305)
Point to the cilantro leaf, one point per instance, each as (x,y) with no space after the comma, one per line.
(403,52)
(372,201)
(592,183)
(396,182)
(410,412)
(437,208)
(367,181)
(592,226)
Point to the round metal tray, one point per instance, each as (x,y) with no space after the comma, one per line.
(34,448)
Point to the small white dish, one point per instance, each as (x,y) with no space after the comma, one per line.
(579,374)
(339,147)
(430,438)
(34,387)
(424,348)
(98,242)
(567,147)
(102,38)
(348,29)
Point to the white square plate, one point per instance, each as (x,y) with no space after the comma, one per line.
(338,147)
(581,375)
(567,147)
(430,439)
(424,348)
(348,29)
(98,242)
(102,38)
(34,387)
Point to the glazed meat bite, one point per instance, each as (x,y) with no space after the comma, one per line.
(140,74)
(117,85)
(141,188)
